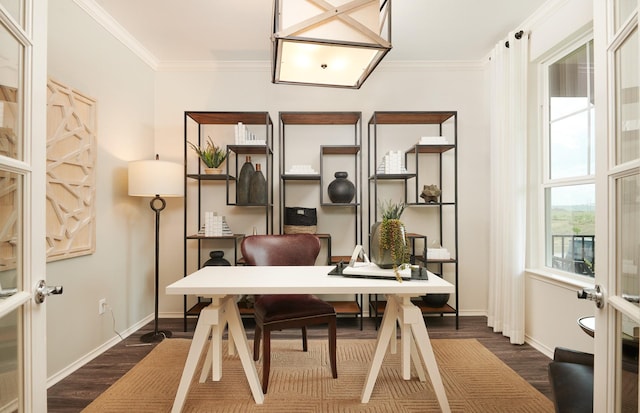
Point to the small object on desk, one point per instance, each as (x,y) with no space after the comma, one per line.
(368,269)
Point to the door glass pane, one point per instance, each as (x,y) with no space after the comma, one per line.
(622,11)
(15,9)
(571,228)
(627,365)
(11,55)
(628,216)
(9,359)
(628,109)
(628,265)
(10,230)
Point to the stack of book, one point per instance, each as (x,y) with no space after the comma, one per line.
(392,163)
(215,225)
(433,140)
(301,170)
(245,137)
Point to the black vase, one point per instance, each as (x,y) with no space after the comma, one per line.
(216,259)
(341,190)
(435,300)
(258,188)
(244,182)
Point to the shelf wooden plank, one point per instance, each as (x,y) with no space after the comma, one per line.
(211,177)
(436,261)
(230,118)
(300,177)
(393,118)
(250,149)
(339,149)
(425,309)
(346,307)
(430,148)
(320,118)
(352,204)
(430,204)
(199,236)
(392,176)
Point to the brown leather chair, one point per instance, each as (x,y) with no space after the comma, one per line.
(283,311)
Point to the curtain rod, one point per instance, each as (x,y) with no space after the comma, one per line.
(518,36)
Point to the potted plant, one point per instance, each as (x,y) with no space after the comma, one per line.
(211,155)
(389,245)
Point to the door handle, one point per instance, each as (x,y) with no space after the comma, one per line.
(592,294)
(42,291)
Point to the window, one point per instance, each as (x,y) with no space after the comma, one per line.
(569,177)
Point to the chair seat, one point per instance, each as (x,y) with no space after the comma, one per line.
(572,386)
(274,308)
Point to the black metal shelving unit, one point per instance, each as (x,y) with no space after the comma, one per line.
(194,122)
(417,156)
(351,152)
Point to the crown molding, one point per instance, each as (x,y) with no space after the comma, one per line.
(412,65)
(263,66)
(112,26)
(214,66)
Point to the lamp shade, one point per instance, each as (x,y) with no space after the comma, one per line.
(331,43)
(155,177)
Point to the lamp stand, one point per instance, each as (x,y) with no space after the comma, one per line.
(156,335)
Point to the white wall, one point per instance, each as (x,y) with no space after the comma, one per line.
(435,87)
(85,57)
(552,308)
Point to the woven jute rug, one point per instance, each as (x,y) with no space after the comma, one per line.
(475,380)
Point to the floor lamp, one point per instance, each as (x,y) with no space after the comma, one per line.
(157,179)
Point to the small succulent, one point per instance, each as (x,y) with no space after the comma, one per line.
(392,210)
(211,155)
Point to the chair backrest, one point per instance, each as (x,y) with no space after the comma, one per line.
(287,249)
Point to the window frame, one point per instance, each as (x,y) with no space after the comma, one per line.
(545,182)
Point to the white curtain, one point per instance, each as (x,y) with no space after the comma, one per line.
(508,68)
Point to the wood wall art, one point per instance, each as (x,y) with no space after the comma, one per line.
(71,175)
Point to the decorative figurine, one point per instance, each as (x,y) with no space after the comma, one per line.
(430,194)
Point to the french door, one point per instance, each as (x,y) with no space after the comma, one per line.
(23,360)
(617,84)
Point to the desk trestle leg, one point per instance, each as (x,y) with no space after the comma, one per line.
(212,320)
(415,341)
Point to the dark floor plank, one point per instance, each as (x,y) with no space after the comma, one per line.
(76,391)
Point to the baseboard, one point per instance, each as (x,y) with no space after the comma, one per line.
(539,346)
(71,368)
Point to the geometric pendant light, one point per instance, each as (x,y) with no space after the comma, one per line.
(335,43)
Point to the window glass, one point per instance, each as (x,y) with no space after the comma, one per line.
(570,225)
(569,184)
(571,115)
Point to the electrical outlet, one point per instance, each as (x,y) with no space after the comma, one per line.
(102,306)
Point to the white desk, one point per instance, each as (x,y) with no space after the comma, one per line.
(224,284)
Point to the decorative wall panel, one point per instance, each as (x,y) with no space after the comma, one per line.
(71,161)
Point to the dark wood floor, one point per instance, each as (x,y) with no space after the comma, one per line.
(76,391)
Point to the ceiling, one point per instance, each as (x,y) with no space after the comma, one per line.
(239,30)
